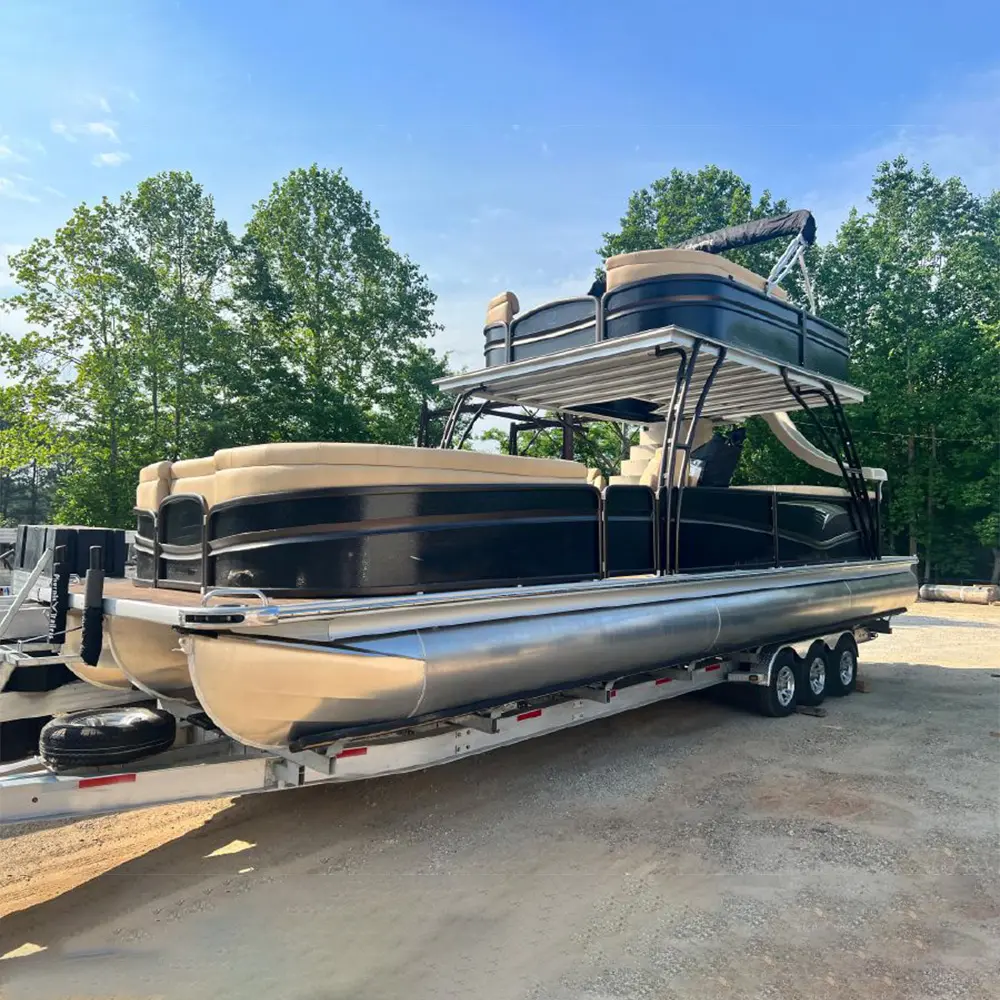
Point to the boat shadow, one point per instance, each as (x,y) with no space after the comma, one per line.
(325,829)
(309,830)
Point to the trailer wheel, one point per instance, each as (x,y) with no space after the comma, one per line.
(843,666)
(105,736)
(814,677)
(780,696)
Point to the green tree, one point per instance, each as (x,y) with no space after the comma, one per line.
(916,281)
(181,255)
(684,204)
(598,445)
(350,316)
(80,362)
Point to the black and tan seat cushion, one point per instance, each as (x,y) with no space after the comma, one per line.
(628,267)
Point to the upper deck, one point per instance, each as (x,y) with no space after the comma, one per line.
(633,379)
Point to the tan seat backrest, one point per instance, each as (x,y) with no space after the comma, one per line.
(154,485)
(628,267)
(502,308)
(273,468)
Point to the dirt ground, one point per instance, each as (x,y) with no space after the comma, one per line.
(689,849)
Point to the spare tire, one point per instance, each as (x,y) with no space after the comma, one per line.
(105,736)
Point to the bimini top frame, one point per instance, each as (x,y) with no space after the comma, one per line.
(645,367)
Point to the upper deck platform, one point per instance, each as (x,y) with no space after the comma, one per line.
(633,378)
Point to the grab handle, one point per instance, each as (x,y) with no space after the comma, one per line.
(234,592)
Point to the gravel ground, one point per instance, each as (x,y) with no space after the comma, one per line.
(684,850)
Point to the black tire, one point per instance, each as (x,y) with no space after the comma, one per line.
(780,696)
(106,736)
(814,674)
(842,667)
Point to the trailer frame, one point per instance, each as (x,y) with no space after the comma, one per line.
(205,764)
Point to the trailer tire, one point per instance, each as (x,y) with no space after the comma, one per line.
(814,678)
(780,696)
(843,667)
(105,736)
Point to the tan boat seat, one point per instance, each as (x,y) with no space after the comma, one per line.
(275,468)
(192,468)
(194,475)
(502,308)
(628,267)
(154,485)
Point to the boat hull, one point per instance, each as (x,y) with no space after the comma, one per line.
(106,673)
(270,691)
(150,656)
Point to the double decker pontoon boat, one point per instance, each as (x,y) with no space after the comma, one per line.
(297,596)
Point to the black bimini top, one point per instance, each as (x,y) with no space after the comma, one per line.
(800,223)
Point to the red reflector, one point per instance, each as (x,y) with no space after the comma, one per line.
(613,693)
(664,680)
(713,666)
(353,752)
(108,779)
(533,714)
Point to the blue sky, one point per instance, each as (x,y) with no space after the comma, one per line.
(497,141)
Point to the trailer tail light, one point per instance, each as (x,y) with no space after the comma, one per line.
(107,779)
(533,714)
(663,680)
(713,666)
(352,752)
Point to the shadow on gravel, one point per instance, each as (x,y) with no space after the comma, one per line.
(313,830)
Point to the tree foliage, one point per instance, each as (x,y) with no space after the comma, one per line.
(156,333)
(915,281)
(683,204)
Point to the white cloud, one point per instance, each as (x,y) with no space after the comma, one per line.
(102,103)
(8,189)
(104,129)
(109,159)
(59,127)
(99,130)
(9,152)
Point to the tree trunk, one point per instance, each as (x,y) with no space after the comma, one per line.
(911,457)
(928,570)
(995,575)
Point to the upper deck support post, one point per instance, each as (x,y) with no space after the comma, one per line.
(452,422)
(692,426)
(567,439)
(675,413)
(849,465)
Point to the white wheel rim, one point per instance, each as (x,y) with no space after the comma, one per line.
(784,686)
(846,667)
(817,675)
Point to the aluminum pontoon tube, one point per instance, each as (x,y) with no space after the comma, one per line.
(268,692)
